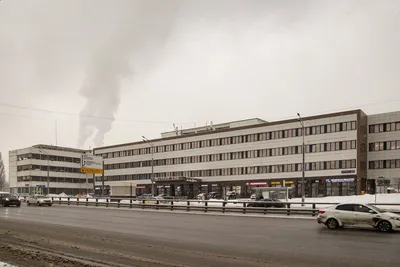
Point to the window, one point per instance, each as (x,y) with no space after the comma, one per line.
(361,208)
(372,129)
(346,207)
(353,125)
(353,144)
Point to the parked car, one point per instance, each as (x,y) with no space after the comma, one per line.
(39,200)
(356,214)
(213,195)
(267,203)
(8,199)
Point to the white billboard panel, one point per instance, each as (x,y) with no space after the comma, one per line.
(92,164)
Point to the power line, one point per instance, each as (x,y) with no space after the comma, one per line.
(80,115)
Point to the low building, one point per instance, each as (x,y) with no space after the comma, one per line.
(238,156)
(48,169)
(384,149)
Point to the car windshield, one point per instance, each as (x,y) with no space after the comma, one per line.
(375,208)
(7,195)
(40,196)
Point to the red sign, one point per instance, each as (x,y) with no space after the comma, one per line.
(140,187)
(256,183)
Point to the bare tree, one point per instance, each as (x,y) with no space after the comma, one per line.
(3,181)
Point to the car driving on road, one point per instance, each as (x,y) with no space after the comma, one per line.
(7,199)
(356,214)
(267,203)
(39,200)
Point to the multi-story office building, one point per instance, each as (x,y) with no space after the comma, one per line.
(41,167)
(384,148)
(240,155)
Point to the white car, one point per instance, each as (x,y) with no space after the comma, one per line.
(356,214)
(39,200)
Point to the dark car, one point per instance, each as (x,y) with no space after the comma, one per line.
(267,203)
(9,200)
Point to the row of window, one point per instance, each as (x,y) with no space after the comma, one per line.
(51,168)
(384,164)
(381,146)
(45,157)
(52,179)
(321,129)
(384,127)
(270,152)
(309,166)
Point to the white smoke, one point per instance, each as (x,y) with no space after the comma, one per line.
(145,25)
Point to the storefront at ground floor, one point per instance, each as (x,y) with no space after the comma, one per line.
(313,187)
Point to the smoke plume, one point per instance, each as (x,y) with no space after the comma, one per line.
(132,33)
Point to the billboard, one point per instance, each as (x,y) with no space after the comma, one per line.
(92,164)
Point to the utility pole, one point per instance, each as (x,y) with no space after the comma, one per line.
(152,163)
(303,132)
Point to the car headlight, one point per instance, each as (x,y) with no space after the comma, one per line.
(7,199)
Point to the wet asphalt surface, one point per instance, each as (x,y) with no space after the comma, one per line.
(201,240)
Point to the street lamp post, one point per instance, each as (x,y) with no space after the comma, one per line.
(152,163)
(304,158)
(48,170)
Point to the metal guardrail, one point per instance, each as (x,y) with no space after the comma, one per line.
(241,207)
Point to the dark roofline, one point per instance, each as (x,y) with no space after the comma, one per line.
(315,117)
(60,148)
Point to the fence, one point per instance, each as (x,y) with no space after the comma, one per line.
(244,207)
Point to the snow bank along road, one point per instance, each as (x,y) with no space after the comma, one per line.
(79,236)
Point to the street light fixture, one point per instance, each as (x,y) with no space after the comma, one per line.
(304,157)
(48,170)
(152,163)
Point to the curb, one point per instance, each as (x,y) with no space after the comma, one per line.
(269,216)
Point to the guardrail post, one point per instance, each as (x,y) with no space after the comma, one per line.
(244,207)
(68,201)
(97,202)
(60,201)
(77,201)
(172,205)
(288,211)
(130,206)
(205,206)
(157,203)
(313,212)
(107,202)
(188,206)
(87,201)
(143,202)
(119,201)
(223,206)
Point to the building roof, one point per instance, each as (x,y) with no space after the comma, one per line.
(263,124)
(60,148)
(213,127)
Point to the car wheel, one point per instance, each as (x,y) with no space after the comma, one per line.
(19,205)
(50,205)
(332,224)
(28,203)
(39,204)
(384,226)
(4,204)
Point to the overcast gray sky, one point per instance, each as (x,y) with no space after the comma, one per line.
(152,63)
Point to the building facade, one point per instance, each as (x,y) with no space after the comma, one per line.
(43,169)
(238,156)
(384,149)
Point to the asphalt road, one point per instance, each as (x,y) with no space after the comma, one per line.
(200,240)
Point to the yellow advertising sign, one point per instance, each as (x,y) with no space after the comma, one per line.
(88,170)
